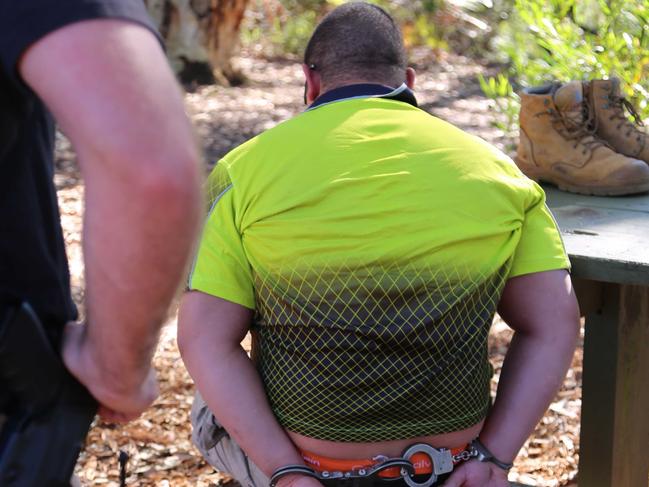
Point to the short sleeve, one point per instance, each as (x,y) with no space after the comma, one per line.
(220,267)
(540,247)
(24,22)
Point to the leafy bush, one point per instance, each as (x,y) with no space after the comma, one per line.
(563,40)
(507,102)
(283,27)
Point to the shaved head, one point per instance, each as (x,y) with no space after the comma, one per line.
(357,41)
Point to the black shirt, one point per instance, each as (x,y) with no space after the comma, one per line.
(33,263)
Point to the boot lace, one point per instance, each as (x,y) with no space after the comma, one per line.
(576,126)
(618,104)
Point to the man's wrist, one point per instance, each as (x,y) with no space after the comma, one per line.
(105,375)
(297,480)
(483,454)
(119,373)
(286,475)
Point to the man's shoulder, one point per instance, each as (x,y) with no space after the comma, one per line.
(269,144)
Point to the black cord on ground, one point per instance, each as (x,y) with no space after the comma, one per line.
(123,459)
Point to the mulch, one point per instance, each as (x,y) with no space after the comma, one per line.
(158,444)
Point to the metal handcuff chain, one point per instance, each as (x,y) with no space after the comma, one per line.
(442,461)
(369,472)
(355,475)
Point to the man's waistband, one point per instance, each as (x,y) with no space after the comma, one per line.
(417,461)
(423,462)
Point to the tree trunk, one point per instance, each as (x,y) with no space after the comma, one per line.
(200,36)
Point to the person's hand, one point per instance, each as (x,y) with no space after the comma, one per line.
(121,397)
(477,474)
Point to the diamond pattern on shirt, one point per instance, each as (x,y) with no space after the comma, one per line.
(377,352)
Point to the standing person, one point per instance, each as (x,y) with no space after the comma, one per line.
(98,68)
(368,244)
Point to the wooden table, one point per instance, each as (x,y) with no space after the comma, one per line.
(607,239)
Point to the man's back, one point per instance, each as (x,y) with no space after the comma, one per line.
(373,241)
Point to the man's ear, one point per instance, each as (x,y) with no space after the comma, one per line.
(313,84)
(410,78)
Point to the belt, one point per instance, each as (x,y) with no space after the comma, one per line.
(416,461)
(421,458)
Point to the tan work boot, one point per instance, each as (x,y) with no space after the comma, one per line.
(611,123)
(557,145)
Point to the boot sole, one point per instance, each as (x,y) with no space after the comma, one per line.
(535,175)
(603,191)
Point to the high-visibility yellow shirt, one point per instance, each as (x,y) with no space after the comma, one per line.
(373,241)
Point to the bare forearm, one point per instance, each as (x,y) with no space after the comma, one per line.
(119,104)
(136,244)
(534,369)
(231,387)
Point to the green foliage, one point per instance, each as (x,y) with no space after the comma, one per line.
(293,33)
(442,25)
(283,27)
(507,102)
(563,40)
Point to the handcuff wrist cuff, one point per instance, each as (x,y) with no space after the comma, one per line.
(291,470)
(482,454)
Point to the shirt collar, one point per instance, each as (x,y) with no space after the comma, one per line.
(365,90)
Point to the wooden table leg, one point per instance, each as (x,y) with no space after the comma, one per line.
(615,399)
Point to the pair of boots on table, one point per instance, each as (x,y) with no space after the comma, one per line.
(577,137)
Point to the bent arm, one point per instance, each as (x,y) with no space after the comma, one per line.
(108,84)
(542,310)
(210,331)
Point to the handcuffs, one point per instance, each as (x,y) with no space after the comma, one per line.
(442,459)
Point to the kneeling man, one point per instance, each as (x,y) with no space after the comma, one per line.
(367,245)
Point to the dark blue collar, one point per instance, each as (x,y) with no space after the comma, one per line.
(365,90)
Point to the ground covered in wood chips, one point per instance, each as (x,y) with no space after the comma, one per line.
(158,444)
